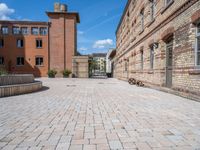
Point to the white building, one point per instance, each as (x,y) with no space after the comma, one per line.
(109,62)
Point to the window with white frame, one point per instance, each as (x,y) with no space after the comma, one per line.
(1,60)
(20,43)
(35,31)
(24,30)
(16,30)
(152,56)
(39,61)
(152,9)
(38,43)
(20,61)
(1,43)
(4,30)
(43,31)
(197,53)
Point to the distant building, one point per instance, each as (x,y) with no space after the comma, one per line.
(110,62)
(100,59)
(158,43)
(31,47)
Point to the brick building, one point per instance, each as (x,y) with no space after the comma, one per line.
(36,47)
(158,42)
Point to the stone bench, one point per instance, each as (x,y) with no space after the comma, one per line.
(16,79)
(11,90)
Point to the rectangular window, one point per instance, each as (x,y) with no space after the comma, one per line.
(153,6)
(142,59)
(39,61)
(24,30)
(126,66)
(167,2)
(1,60)
(43,31)
(20,43)
(39,43)
(198,46)
(142,19)
(4,30)
(20,61)
(152,56)
(16,30)
(35,31)
(1,43)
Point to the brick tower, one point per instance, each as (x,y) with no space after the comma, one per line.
(62,37)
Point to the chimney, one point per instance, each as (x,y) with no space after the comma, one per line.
(56,7)
(63,8)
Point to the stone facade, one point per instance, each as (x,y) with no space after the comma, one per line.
(80,67)
(52,48)
(157,44)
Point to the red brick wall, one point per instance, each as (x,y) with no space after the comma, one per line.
(62,41)
(10,51)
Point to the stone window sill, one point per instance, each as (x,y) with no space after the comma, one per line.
(194,72)
(141,32)
(151,22)
(167,6)
(150,72)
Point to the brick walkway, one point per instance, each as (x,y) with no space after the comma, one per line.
(98,114)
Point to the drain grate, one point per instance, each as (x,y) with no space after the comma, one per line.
(71,85)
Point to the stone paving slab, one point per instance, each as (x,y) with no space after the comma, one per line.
(104,114)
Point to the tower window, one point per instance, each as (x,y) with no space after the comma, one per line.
(39,43)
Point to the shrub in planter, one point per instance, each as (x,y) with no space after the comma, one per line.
(3,72)
(52,73)
(66,73)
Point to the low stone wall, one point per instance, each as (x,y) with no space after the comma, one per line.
(11,90)
(16,79)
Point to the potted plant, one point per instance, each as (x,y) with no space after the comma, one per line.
(52,73)
(66,73)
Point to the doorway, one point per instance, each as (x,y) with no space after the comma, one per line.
(169,62)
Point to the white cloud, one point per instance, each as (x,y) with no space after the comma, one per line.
(103,43)
(5,12)
(83,49)
(80,32)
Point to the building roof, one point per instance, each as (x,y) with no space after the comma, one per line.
(99,54)
(67,13)
(122,17)
(23,22)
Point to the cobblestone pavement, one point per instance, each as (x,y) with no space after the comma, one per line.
(98,115)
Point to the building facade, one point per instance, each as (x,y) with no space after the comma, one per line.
(29,47)
(110,62)
(158,43)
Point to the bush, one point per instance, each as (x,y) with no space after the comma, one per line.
(52,73)
(66,73)
(3,72)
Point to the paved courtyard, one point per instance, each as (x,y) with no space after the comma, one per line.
(98,114)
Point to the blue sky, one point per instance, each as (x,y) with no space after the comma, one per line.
(99,18)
